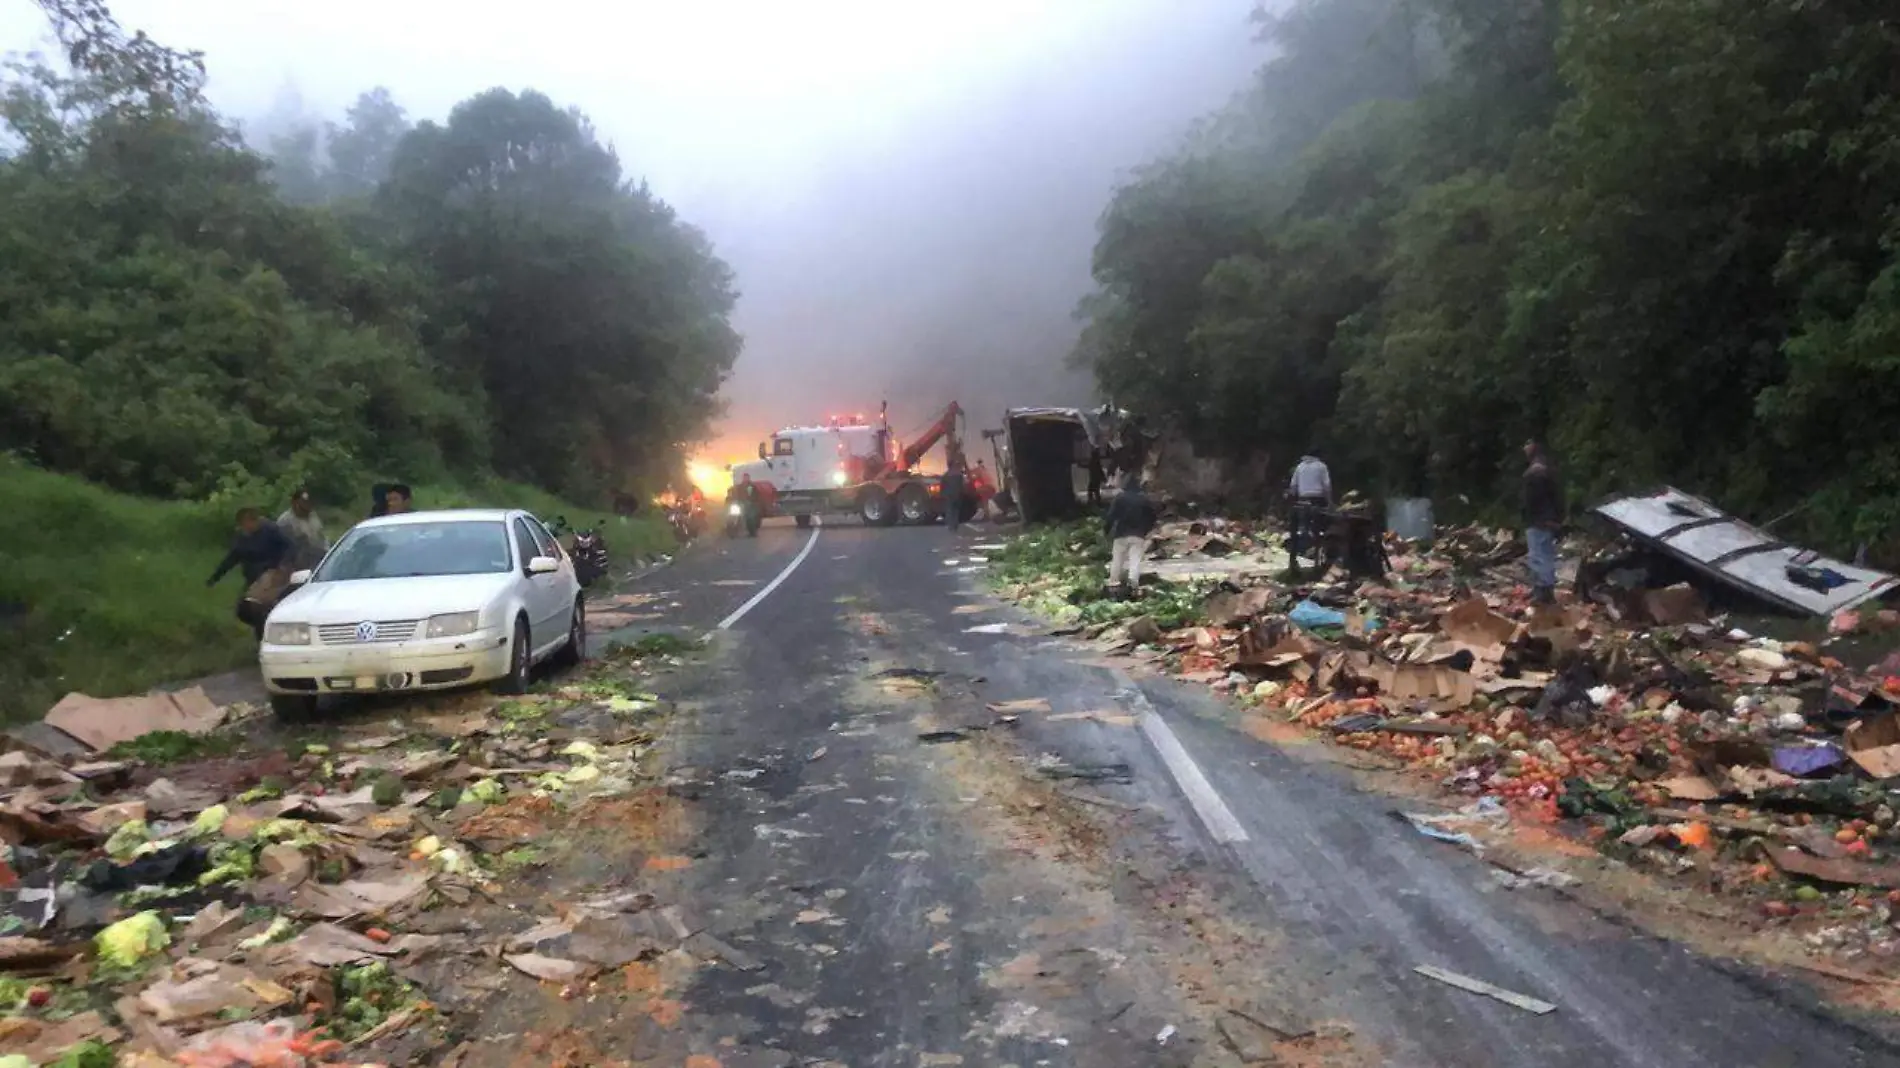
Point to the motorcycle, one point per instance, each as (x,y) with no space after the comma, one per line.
(736,519)
(681,520)
(590,556)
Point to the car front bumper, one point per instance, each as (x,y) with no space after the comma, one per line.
(422,664)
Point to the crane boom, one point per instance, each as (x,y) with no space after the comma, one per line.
(946,424)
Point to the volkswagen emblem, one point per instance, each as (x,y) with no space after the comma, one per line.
(366,631)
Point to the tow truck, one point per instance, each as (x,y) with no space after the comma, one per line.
(851,465)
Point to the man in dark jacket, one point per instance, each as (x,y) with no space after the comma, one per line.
(1543,519)
(261,551)
(952,487)
(1130,519)
(746,494)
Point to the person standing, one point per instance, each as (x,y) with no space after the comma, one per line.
(748,494)
(1096,476)
(260,551)
(304,527)
(398,500)
(1543,520)
(1131,518)
(953,493)
(1311,492)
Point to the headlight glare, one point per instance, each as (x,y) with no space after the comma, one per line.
(286,634)
(452,624)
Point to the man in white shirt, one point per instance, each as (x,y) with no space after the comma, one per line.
(301,524)
(1311,492)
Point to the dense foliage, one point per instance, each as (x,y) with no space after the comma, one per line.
(179,313)
(1660,233)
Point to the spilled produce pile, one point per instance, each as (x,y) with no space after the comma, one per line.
(259,899)
(1664,736)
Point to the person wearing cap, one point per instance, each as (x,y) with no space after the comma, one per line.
(301,524)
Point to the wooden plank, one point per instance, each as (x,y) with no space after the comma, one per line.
(1479,986)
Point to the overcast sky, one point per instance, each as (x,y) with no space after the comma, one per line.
(907,190)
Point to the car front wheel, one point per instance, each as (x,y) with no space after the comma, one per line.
(520,663)
(575,651)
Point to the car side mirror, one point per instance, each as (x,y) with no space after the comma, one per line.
(299,578)
(543,565)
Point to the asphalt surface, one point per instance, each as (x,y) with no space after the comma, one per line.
(1118,880)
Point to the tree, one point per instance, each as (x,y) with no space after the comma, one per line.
(362,147)
(170,321)
(1659,231)
(597,323)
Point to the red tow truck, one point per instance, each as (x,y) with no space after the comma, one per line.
(851,465)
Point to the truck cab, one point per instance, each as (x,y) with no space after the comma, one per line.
(801,469)
(813,459)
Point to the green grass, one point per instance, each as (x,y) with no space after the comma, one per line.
(104,593)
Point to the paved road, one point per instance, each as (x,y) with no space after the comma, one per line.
(950,903)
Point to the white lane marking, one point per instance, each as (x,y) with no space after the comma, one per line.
(1215,815)
(739,613)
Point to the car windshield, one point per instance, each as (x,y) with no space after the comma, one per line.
(409,550)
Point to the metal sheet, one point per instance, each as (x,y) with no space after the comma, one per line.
(1725,548)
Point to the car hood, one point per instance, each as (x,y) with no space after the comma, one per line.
(391,598)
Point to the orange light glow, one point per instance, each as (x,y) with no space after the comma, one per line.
(712,478)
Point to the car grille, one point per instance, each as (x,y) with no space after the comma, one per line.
(387,630)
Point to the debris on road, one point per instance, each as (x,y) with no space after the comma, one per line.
(955,734)
(1715,544)
(1627,716)
(1479,986)
(101,724)
(1050,766)
(263,899)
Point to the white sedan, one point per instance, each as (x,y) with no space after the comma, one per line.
(425,601)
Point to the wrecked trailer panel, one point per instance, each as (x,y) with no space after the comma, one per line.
(1045,445)
(1730,551)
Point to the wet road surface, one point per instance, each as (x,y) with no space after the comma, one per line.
(1116,880)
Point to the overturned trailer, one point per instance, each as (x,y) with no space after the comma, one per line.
(1043,449)
(1721,547)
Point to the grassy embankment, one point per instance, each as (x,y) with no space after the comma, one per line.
(104,593)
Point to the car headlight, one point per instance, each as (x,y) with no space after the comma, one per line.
(736,509)
(452,624)
(286,634)
(837,478)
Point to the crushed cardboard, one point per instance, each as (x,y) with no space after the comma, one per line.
(101,723)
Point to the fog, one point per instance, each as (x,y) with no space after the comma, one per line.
(907,192)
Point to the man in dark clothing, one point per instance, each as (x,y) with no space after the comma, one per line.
(1096,476)
(1543,519)
(261,552)
(398,500)
(1130,519)
(953,493)
(747,494)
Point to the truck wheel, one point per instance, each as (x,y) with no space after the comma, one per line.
(875,506)
(913,504)
(803,520)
